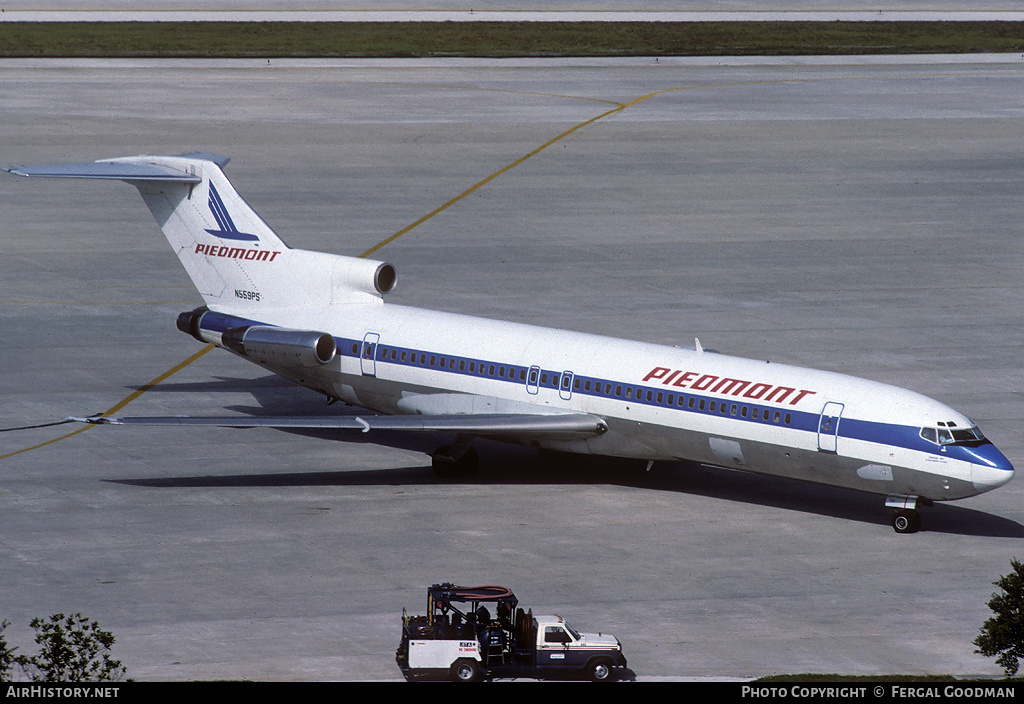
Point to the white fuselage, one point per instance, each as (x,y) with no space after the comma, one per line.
(660,403)
(646,401)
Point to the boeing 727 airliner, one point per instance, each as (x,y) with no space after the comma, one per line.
(320,320)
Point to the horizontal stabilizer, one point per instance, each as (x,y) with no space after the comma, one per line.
(236,261)
(108,170)
(560,424)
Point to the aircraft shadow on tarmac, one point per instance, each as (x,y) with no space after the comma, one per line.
(513,465)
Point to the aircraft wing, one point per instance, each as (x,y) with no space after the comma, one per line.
(567,425)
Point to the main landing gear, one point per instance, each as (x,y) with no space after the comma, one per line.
(906,519)
(453,461)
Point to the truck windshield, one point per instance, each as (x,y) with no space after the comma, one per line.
(949,434)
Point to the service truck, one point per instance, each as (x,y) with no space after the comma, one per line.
(473,633)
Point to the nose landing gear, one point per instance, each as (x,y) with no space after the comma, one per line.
(906,519)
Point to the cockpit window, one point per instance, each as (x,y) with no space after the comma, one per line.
(966,435)
(949,434)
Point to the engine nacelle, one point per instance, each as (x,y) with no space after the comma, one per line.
(207,326)
(264,344)
(384,276)
(188,322)
(318,278)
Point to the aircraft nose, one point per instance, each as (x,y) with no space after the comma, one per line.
(990,468)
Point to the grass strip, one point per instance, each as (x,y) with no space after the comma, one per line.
(498,39)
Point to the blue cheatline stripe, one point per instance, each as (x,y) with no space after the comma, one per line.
(902,436)
(583,385)
(219,322)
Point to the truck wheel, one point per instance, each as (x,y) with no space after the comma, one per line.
(465,671)
(600,671)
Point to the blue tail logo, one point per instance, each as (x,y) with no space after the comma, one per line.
(227,225)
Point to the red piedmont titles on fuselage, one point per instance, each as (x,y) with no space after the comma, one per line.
(727,386)
(249,254)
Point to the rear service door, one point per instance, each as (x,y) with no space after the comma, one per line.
(828,426)
(368,355)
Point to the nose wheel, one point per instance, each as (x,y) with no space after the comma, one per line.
(906,521)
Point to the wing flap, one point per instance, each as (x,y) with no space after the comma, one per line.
(496,424)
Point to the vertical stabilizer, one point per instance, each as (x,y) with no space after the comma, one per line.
(234,259)
(226,248)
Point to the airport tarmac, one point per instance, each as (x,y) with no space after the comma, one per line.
(857,215)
